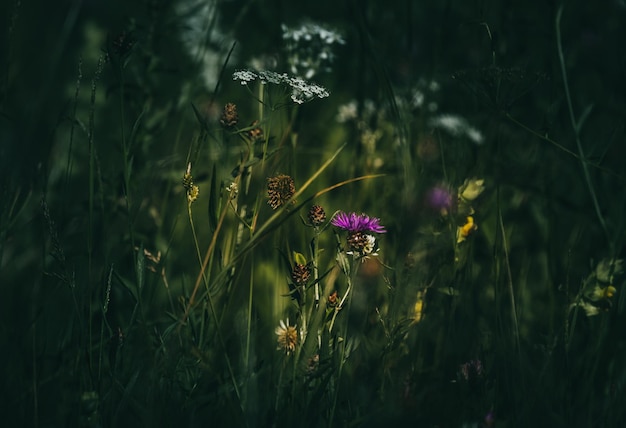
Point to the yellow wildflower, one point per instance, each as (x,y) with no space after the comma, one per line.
(602,293)
(418,308)
(471,189)
(462,232)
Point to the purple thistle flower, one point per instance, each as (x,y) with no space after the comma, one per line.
(353,222)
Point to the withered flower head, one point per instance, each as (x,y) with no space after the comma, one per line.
(287,337)
(333,300)
(300,274)
(361,244)
(280,190)
(317,215)
(230,117)
(255,133)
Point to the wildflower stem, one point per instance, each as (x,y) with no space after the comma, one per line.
(315,257)
(202,278)
(342,360)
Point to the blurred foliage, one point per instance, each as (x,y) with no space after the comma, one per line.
(105,319)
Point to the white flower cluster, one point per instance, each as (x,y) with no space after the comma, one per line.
(457,127)
(310,48)
(301,90)
(350,111)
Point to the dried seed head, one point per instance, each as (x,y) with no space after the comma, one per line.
(357,241)
(317,215)
(280,190)
(300,274)
(287,337)
(255,133)
(333,300)
(230,117)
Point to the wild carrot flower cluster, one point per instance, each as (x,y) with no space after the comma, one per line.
(301,90)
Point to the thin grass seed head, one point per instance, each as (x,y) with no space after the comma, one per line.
(191,189)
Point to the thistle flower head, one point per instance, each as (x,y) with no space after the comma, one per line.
(317,215)
(300,274)
(353,222)
(256,133)
(359,226)
(230,117)
(280,189)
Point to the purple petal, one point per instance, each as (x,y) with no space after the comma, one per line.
(357,223)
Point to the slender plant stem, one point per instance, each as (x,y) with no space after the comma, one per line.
(342,360)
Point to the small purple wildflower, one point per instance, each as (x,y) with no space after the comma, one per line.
(439,198)
(353,222)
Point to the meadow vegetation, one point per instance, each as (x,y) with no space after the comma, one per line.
(268,214)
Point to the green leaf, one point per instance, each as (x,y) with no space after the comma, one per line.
(299,258)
